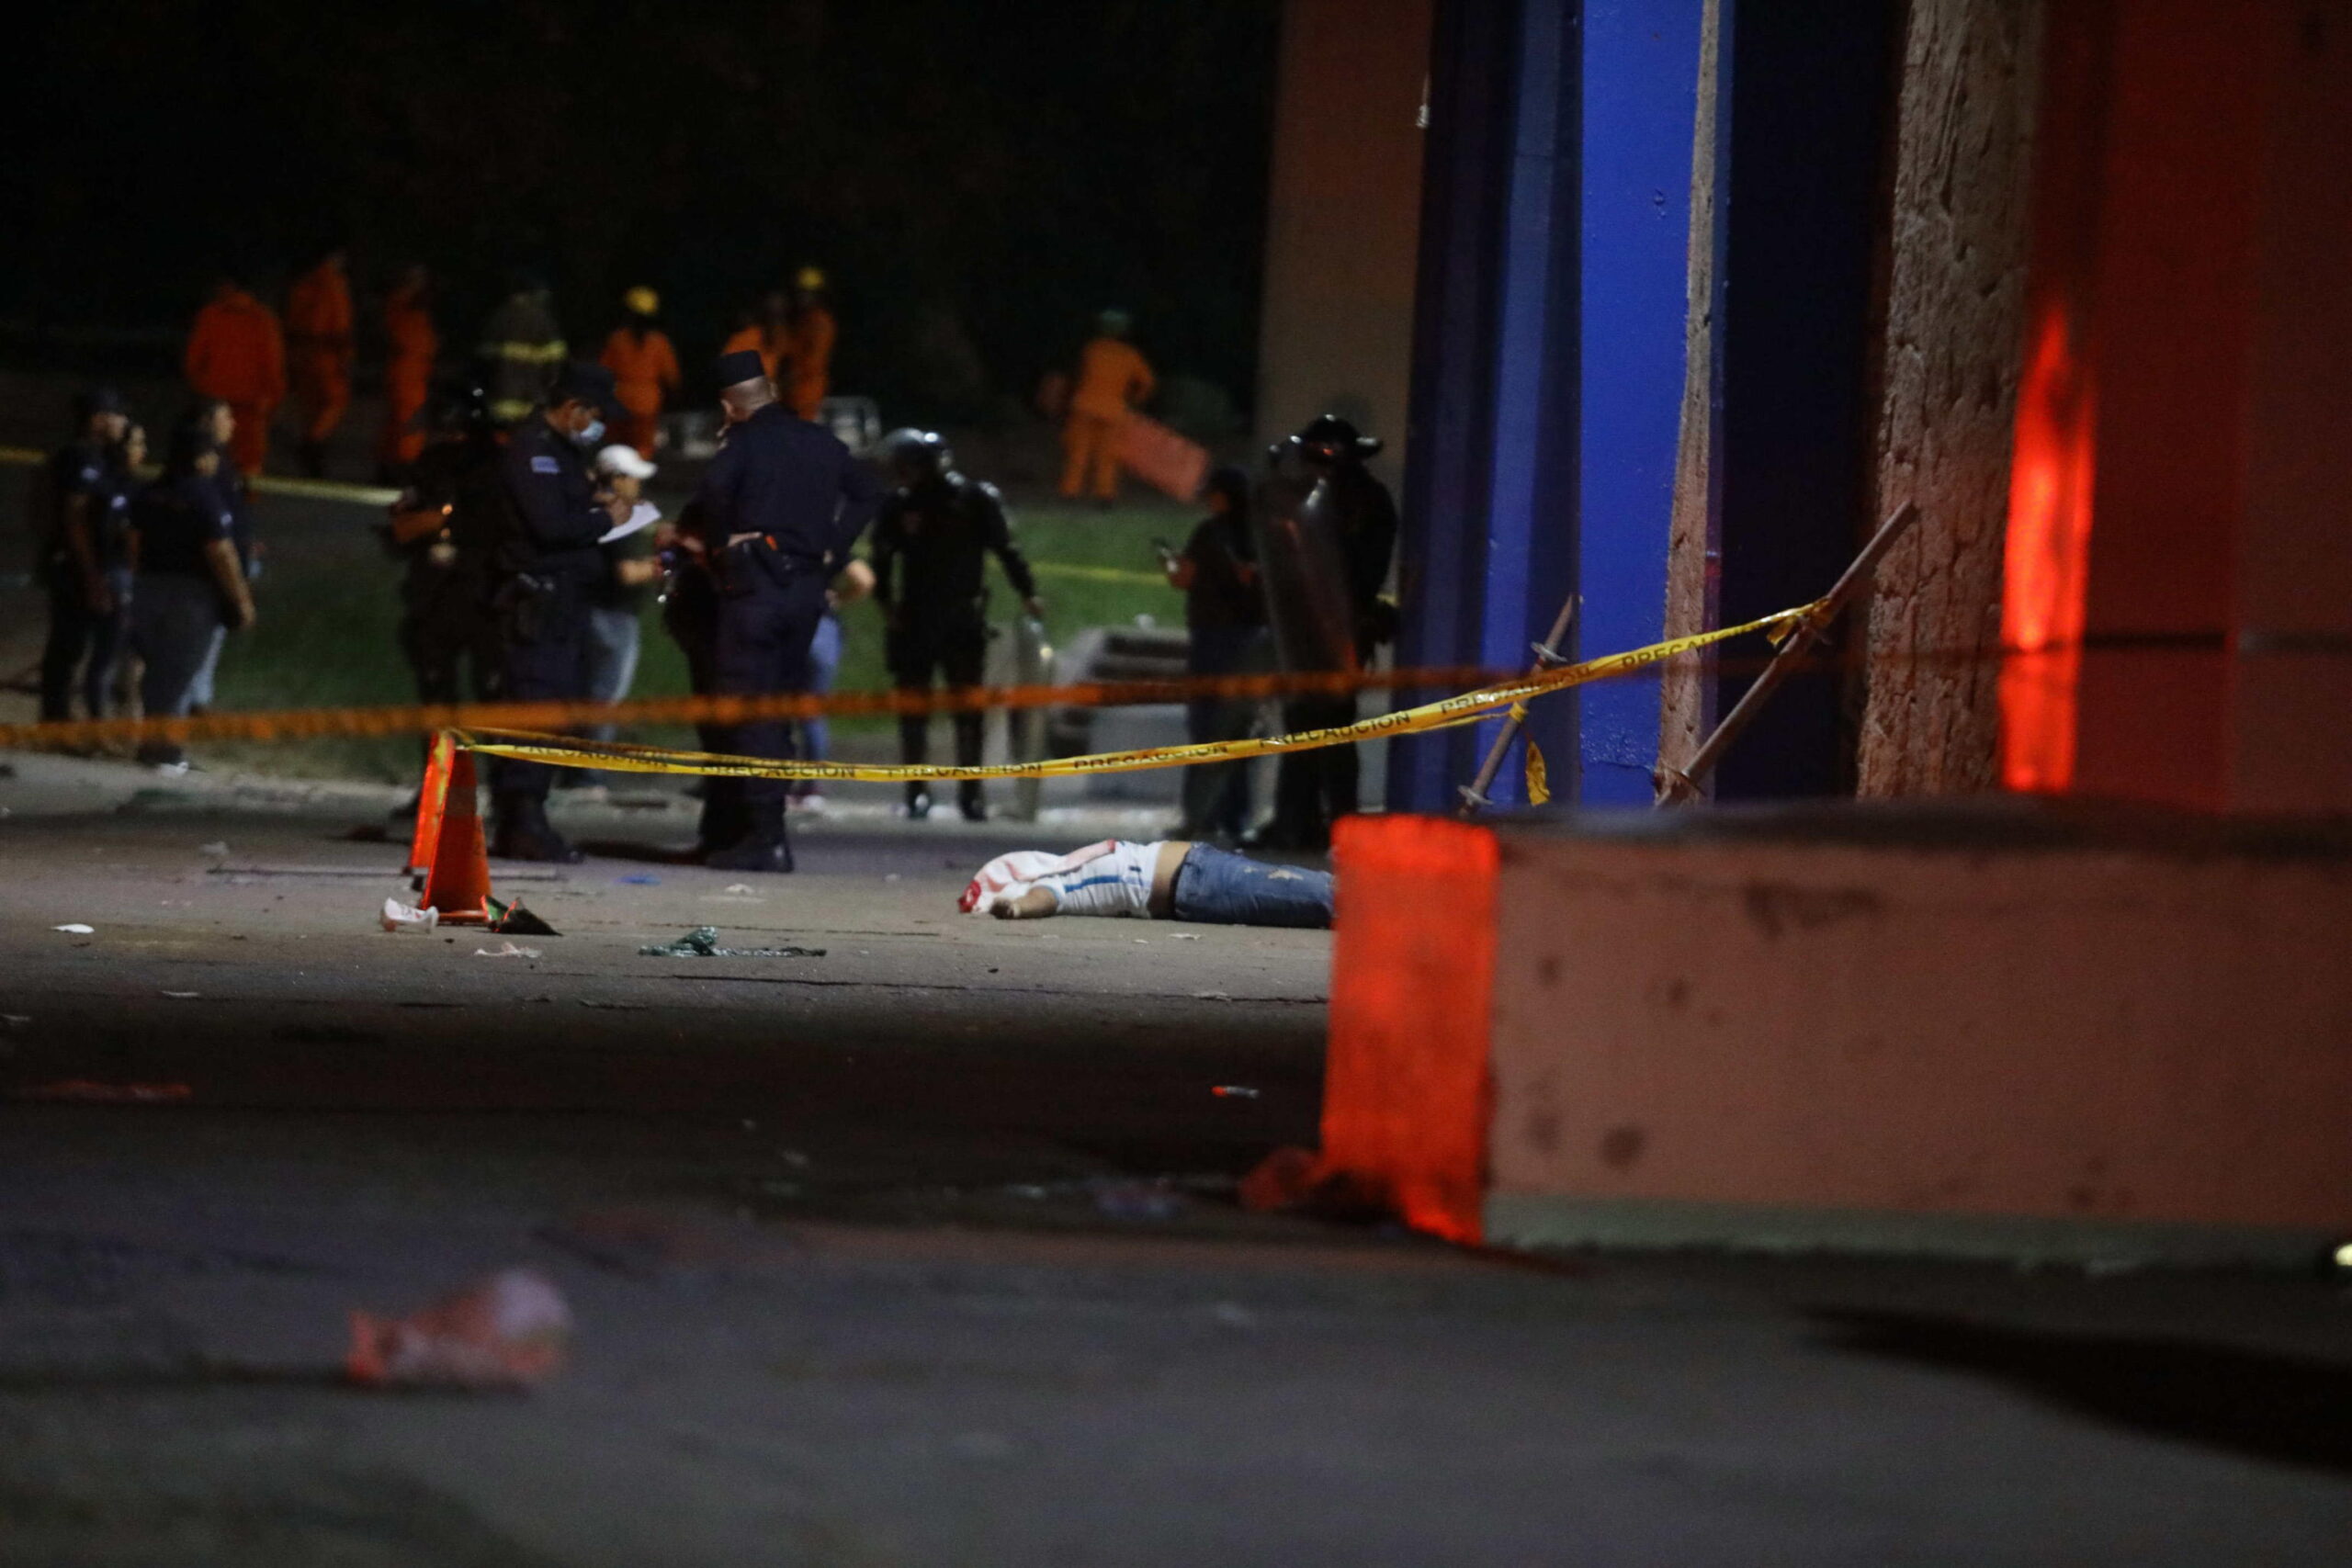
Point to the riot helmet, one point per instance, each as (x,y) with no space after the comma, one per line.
(913,458)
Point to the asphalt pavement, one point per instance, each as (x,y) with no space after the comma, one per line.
(924,1250)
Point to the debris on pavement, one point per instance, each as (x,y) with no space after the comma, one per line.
(1125,1199)
(217,849)
(83,1091)
(741,887)
(514,919)
(1185,936)
(1234,1092)
(1283,1180)
(703,943)
(14,1019)
(616,1007)
(182,996)
(508,1331)
(507,950)
(399,916)
(76,929)
(1212,995)
(1295,1180)
(638,879)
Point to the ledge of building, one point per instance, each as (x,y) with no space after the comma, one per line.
(1977,824)
(1538,1222)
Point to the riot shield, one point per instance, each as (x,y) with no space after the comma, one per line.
(1302,559)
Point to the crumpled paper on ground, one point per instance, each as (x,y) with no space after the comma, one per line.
(508,1331)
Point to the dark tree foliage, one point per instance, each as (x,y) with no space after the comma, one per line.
(977,178)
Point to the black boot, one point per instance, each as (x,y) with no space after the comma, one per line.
(971,801)
(525,832)
(765,847)
(918,802)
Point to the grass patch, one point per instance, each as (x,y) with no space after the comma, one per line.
(330,606)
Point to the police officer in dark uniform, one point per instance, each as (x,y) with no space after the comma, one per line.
(776,516)
(445,531)
(547,563)
(1328,612)
(931,550)
(71,558)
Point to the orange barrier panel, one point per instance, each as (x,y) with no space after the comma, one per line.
(1162,458)
(1406,1091)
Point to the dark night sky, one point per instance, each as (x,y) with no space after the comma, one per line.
(977,177)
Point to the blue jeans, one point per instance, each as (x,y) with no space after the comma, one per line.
(1217,887)
(612,661)
(824,667)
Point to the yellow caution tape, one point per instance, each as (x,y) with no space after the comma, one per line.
(1097,573)
(266,484)
(292,724)
(563,752)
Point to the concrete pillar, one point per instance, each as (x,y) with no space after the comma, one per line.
(2183,468)
(1343,218)
(1949,358)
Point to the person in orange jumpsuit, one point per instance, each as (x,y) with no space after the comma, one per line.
(410,345)
(644,366)
(319,342)
(237,354)
(768,333)
(1111,379)
(813,332)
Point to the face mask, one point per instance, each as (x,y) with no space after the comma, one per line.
(594,433)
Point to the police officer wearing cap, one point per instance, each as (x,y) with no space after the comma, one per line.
(546,564)
(931,550)
(775,518)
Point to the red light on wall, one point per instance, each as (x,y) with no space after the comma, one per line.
(1404,1092)
(2047,559)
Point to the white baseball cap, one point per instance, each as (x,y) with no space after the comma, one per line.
(622,459)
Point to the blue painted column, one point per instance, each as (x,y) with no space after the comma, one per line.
(1531,546)
(1641,81)
(1548,370)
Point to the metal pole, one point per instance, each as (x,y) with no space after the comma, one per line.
(1676,786)
(1547,657)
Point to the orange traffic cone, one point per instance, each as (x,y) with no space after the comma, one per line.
(457,876)
(430,797)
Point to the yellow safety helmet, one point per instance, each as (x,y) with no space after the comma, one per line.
(810,279)
(641,301)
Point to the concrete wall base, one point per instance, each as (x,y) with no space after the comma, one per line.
(1537,1221)
(2004,1029)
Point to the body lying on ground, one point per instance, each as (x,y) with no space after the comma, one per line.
(1170,879)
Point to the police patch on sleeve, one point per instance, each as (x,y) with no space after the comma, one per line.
(544,465)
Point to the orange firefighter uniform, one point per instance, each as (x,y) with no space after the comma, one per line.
(410,345)
(645,376)
(319,346)
(813,332)
(1111,379)
(235,352)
